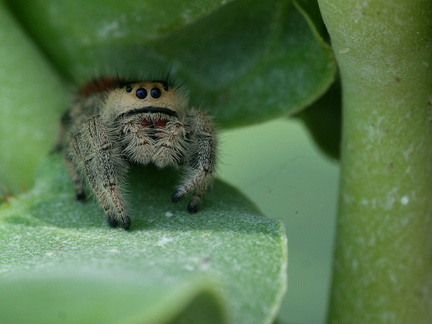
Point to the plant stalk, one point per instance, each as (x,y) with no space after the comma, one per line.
(383,255)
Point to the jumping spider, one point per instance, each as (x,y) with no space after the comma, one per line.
(114,122)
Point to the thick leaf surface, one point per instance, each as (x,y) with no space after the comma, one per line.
(226,259)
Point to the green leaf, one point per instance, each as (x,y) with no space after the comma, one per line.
(31,99)
(106,298)
(324,121)
(246,61)
(311,11)
(227,261)
(323,117)
(242,61)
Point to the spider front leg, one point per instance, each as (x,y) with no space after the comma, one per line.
(200,159)
(97,156)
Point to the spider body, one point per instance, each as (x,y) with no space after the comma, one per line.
(113,123)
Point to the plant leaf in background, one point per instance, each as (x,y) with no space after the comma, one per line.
(31,98)
(312,14)
(49,240)
(323,120)
(246,61)
(104,298)
(324,117)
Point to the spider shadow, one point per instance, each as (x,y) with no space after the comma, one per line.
(223,208)
(150,207)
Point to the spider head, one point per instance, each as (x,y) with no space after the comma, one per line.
(146,97)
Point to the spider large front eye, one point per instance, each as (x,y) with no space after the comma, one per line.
(155,93)
(141,93)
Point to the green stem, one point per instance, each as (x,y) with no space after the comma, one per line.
(382,268)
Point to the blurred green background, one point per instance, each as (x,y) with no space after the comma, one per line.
(280,169)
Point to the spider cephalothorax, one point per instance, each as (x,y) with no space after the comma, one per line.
(114,122)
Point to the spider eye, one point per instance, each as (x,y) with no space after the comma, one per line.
(128,89)
(165,86)
(141,93)
(155,92)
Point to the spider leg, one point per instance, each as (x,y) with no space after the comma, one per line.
(170,145)
(94,152)
(76,178)
(201,159)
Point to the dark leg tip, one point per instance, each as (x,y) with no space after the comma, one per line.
(175,197)
(80,196)
(192,208)
(112,222)
(126,223)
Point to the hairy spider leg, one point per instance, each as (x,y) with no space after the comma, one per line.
(201,161)
(99,159)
